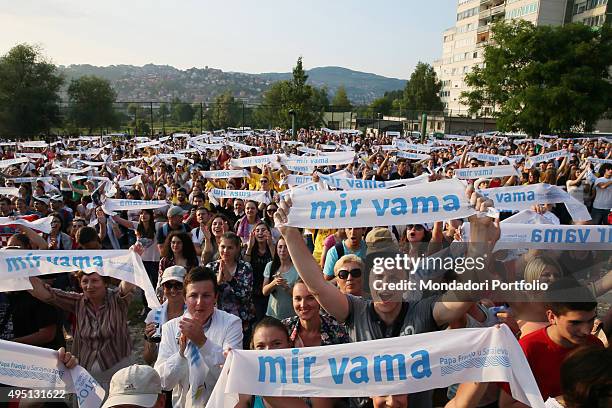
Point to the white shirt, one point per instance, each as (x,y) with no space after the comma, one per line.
(224,331)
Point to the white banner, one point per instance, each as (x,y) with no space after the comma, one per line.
(147,144)
(404,145)
(599,161)
(34,144)
(309,150)
(518,198)
(121,264)
(31,179)
(531,161)
(344,183)
(12,191)
(224,174)
(32,155)
(293,180)
(241,146)
(130,182)
(412,156)
(436,201)
(11,162)
(451,142)
(25,366)
(254,160)
(486,172)
(41,224)
(114,204)
(259,196)
(67,170)
(491,158)
(459,137)
(399,365)
(548,236)
(328,159)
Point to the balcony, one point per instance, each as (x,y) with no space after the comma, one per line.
(483,29)
(490,12)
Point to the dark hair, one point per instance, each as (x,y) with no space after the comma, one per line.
(189,252)
(5,200)
(223,217)
(135,193)
(603,168)
(586,378)
(23,239)
(198,195)
(567,295)
(182,190)
(59,217)
(86,235)
(231,236)
(200,274)
(272,322)
(276,261)
(147,230)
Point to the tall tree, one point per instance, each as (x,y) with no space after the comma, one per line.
(422,90)
(308,103)
(29,86)
(182,112)
(544,79)
(341,100)
(92,101)
(225,111)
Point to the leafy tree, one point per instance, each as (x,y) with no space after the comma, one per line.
(381,105)
(92,101)
(29,85)
(226,111)
(421,92)
(163,111)
(341,100)
(544,79)
(295,95)
(181,112)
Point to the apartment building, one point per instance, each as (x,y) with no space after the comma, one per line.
(463,44)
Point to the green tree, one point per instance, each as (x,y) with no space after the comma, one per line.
(92,101)
(295,95)
(226,111)
(29,85)
(422,90)
(181,112)
(341,100)
(381,105)
(544,79)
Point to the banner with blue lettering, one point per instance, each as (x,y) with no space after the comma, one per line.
(547,236)
(491,158)
(121,264)
(532,161)
(518,198)
(399,365)
(486,172)
(111,205)
(224,174)
(259,196)
(440,200)
(334,158)
(26,366)
(255,160)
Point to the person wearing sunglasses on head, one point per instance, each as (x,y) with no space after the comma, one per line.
(173,306)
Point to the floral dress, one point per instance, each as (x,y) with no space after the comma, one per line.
(332,332)
(236,296)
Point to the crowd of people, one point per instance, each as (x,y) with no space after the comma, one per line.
(231,274)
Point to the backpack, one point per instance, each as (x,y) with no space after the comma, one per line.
(339,249)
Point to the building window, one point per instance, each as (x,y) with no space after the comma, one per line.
(475,54)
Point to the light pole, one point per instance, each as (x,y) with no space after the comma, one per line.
(292,114)
(379,115)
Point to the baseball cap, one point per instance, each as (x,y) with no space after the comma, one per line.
(42,199)
(380,238)
(176,273)
(134,385)
(57,198)
(174,210)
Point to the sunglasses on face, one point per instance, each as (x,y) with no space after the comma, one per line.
(417,227)
(343,273)
(271,210)
(173,285)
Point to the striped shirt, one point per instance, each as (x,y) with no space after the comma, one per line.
(101,336)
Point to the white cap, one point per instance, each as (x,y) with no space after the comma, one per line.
(134,385)
(176,273)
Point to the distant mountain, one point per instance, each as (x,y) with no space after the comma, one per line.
(163,82)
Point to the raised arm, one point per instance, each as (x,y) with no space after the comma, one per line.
(36,240)
(328,296)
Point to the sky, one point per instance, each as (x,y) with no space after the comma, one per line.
(386,37)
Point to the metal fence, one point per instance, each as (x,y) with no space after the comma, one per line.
(156,117)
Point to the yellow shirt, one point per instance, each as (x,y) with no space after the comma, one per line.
(318,242)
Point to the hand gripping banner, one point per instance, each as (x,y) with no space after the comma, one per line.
(399,365)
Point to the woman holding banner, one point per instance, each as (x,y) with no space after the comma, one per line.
(101,338)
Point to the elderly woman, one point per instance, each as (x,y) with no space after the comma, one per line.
(102,339)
